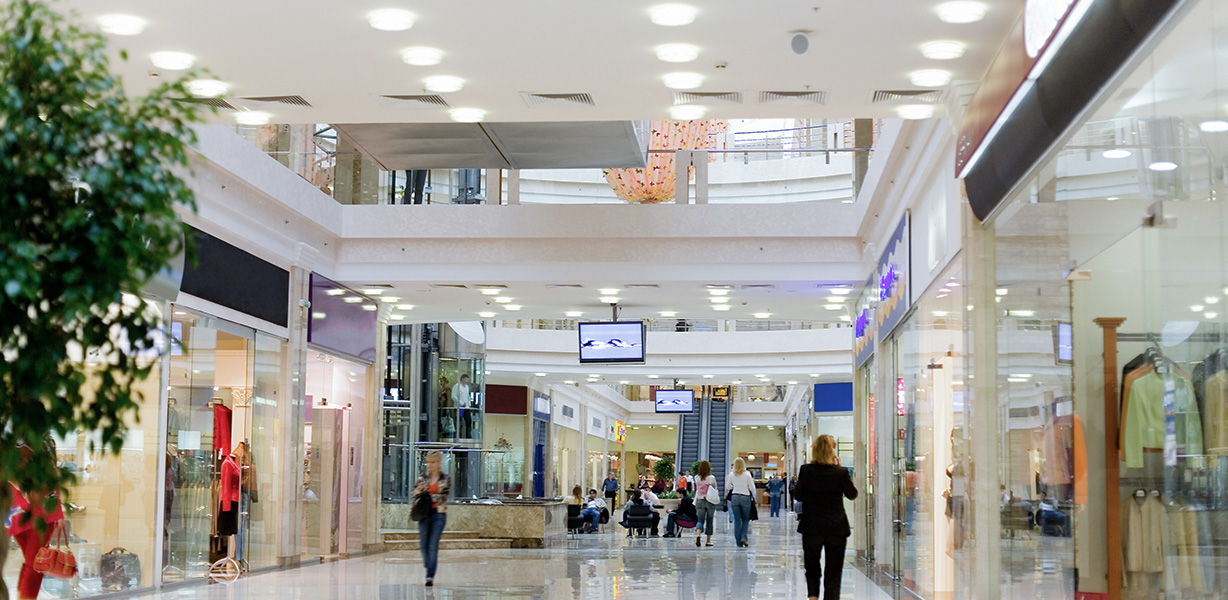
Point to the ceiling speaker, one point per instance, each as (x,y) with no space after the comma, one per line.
(799,43)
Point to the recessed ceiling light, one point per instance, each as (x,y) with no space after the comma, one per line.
(373,291)
(539,374)
(405,307)
(391,19)
(961,11)
(1210,315)
(467,115)
(389,299)
(833,306)
(253,117)
(718,299)
(720,307)
(442,84)
(207,88)
(397,317)
(846,318)
(1021,313)
(1162,165)
(569,381)
(736,382)
(707,377)
(687,112)
(677,53)
(502,299)
(486,314)
(1212,299)
(370,307)
(942,50)
(624,382)
(760,375)
(1216,126)
(608,291)
(814,375)
(1001,291)
(491,291)
(172,61)
(513,306)
(1112,198)
(1197,308)
(335,292)
(715,292)
(421,56)
(683,81)
(915,111)
(836,299)
(668,313)
(930,77)
(940,313)
(574,313)
(609,299)
(791,382)
(672,15)
(593,375)
(653,376)
(762,315)
(1116,153)
(1016,380)
(121,24)
(841,291)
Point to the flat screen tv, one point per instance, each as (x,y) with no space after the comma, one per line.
(1063,343)
(675,401)
(612,342)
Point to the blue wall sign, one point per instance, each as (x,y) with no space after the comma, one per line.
(893,277)
(833,397)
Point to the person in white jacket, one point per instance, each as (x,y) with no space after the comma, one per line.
(741,485)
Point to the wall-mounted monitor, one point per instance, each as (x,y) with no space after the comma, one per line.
(612,342)
(674,401)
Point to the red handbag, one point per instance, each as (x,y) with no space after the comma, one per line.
(59,561)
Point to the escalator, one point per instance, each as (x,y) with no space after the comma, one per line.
(689,435)
(718,438)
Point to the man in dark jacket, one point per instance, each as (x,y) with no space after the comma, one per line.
(822,487)
(686,510)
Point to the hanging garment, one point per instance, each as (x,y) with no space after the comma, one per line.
(221,430)
(231,483)
(1080,461)
(1215,425)
(1057,447)
(1143,422)
(1189,552)
(1127,384)
(1144,535)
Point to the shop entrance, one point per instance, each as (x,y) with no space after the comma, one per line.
(333,470)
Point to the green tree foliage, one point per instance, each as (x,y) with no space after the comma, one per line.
(664,470)
(72,259)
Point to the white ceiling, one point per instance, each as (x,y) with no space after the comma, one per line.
(325,51)
(785,300)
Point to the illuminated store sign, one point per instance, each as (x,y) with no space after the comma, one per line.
(620,431)
(863,326)
(893,280)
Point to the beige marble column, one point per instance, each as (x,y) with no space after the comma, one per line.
(290,413)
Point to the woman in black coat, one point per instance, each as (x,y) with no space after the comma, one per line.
(822,487)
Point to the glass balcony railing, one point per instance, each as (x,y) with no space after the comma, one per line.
(748,162)
(688,325)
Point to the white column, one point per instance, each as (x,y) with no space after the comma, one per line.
(700,162)
(682,162)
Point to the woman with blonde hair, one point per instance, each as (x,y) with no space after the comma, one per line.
(704,480)
(437,484)
(577,496)
(822,487)
(741,486)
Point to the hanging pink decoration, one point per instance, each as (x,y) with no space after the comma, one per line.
(654,183)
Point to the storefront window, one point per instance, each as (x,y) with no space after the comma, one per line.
(333,495)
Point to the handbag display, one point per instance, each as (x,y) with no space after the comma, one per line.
(121,569)
(59,561)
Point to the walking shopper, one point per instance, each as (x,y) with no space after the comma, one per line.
(775,489)
(430,529)
(821,487)
(26,507)
(610,487)
(741,485)
(705,508)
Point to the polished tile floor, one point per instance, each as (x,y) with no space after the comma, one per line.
(597,567)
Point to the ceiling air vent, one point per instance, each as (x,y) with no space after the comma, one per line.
(555,286)
(411,101)
(793,98)
(456,286)
(758,286)
(642,285)
(707,98)
(218,103)
(556,100)
(276,101)
(905,96)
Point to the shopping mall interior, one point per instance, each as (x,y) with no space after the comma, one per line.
(559,245)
